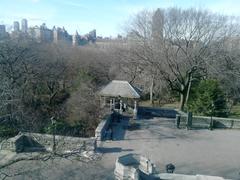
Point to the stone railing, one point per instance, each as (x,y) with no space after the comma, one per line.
(25,142)
(100,132)
(167,176)
(205,122)
(14,144)
(133,166)
(136,167)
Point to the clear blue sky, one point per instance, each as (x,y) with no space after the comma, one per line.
(106,16)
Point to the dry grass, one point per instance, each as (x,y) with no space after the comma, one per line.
(173,105)
(235,111)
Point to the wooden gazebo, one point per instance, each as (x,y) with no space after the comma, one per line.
(118,93)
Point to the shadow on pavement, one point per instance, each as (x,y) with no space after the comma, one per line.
(112,149)
(119,128)
(150,112)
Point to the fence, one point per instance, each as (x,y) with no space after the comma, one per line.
(205,122)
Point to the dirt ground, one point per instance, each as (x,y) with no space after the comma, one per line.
(193,152)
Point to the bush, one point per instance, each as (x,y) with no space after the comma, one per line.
(6,131)
(65,129)
(208,99)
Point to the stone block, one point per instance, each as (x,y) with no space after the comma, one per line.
(133,167)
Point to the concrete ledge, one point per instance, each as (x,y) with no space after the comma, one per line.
(30,142)
(102,127)
(133,167)
(166,176)
(136,167)
(204,122)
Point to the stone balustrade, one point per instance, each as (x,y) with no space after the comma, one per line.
(133,166)
(136,167)
(25,142)
(102,128)
(204,122)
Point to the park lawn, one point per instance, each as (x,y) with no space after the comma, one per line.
(173,105)
(235,111)
(147,103)
(144,103)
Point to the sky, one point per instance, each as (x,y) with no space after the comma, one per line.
(108,17)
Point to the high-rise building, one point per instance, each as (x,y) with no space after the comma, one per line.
(2,29)
(41,34)
(157,24)
(16,26)
(3,33)
(24,26)
(93,33)
(75,39)
(61,35)
(92,36)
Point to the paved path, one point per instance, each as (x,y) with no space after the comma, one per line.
(192,152)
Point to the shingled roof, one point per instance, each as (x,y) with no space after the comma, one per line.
(120,88)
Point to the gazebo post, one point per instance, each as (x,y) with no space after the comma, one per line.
(120,109)
(114,101)
(110,104)
(104,101)
(135,110)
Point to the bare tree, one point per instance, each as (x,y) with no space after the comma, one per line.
(180,47)
(15,61)
(225,67)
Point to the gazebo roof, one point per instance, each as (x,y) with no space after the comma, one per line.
(120,88)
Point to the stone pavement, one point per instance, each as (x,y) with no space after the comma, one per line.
(214,153)
(193,152)
(5,156)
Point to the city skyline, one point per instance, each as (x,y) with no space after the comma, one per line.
(43,34)
(107,17)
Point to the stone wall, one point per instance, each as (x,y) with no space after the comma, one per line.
(157,112)
(204,122)
(133,167)
(102,128)
(14,144)
(137,167)
(44,142)
(166,176)
(25,142)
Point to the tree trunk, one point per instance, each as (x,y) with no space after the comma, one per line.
(188,90)
(54,142)
(183,96)
(182,99)
(151,91)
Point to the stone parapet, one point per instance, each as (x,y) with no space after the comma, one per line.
(166,176)
(137,167)
(133,167)
(26,142)
(102,128)
(204,122)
